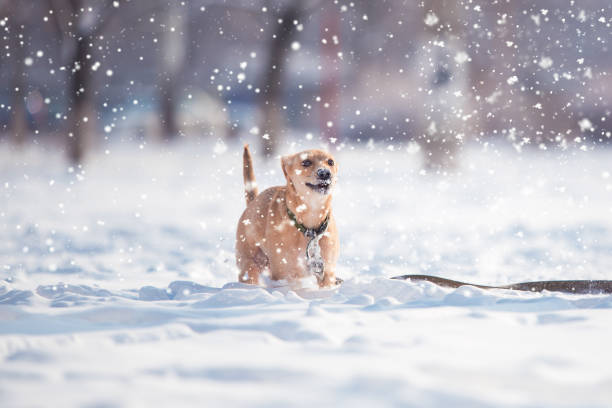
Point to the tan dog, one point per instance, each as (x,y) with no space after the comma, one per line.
(281,227)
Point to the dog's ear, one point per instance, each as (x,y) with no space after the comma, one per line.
(285,160)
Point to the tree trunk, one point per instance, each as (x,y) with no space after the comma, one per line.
(330,78)
(271,98)
(80,102)
(174,52)
(19,121)
(169,125)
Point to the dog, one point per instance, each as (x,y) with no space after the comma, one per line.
(290,230)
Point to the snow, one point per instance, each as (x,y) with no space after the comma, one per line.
(119,285)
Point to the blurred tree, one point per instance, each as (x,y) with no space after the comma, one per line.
(330,72)
(17,14)
(79,22)
(287,18)
(174,52)
(445,82)
(271,96)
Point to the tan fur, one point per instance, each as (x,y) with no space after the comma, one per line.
(267,239)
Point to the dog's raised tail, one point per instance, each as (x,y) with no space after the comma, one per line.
(250,185)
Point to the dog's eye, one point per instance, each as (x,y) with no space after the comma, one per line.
(306,163)
(330,162)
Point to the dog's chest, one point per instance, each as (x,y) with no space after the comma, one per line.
(284,239)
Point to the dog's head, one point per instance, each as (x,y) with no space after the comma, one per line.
(310,172)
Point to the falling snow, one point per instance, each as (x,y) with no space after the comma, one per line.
(472,141)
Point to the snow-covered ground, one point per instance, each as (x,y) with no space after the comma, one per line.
(118,283)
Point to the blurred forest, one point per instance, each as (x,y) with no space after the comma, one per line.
(433,74)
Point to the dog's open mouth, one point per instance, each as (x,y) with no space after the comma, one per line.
(321,187)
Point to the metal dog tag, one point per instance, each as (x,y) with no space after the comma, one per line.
(314,260)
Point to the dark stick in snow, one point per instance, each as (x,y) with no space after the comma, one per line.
(584,287)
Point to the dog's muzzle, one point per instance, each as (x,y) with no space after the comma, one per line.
(322,186)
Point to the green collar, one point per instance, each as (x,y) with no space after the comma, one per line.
(308,232)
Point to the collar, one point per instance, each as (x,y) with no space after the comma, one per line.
(308,232)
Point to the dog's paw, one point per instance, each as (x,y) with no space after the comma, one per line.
(329,281)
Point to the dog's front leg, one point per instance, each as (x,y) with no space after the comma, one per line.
(329,251)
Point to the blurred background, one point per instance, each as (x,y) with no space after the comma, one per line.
(78,75)
(473,143)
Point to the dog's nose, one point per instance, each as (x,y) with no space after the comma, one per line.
(324,174)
